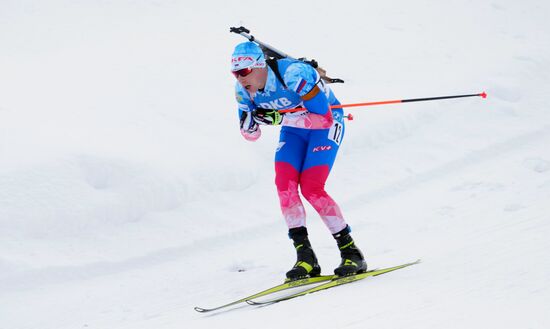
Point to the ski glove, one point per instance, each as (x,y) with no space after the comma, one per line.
(249,128)
(267,116)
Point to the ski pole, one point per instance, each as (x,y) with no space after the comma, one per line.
(483,95)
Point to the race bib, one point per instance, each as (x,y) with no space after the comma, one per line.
(335,132)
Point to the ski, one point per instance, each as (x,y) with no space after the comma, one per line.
(281,287)
(337,281)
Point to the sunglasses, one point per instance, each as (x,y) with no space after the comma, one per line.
(242,72)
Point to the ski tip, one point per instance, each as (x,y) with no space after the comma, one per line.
(200,309)
(418,261)
(251,302)
(483,95)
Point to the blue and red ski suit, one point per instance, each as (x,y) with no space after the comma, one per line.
(308,143)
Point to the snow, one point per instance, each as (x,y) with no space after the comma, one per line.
(128,196)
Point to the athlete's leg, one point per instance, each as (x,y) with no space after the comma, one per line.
(321,153)
(288,163)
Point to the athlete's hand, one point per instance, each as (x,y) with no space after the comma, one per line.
(247,122)
(267,117)
(249,128)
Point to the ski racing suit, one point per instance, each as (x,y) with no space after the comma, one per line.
(308,143)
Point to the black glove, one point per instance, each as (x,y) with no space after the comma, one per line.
(247,123)
(267,116)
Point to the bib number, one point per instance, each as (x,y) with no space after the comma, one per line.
(335,132)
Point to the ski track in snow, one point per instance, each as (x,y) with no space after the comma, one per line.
(474,158)
(64,274)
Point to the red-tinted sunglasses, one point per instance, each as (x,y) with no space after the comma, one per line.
(242,72)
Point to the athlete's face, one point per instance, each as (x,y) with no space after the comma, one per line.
(253,79)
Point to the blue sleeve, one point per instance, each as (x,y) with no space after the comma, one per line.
(243,100)
(302,78)
(318,104)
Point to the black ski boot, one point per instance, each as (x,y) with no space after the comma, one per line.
(306,263)
(353,261)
